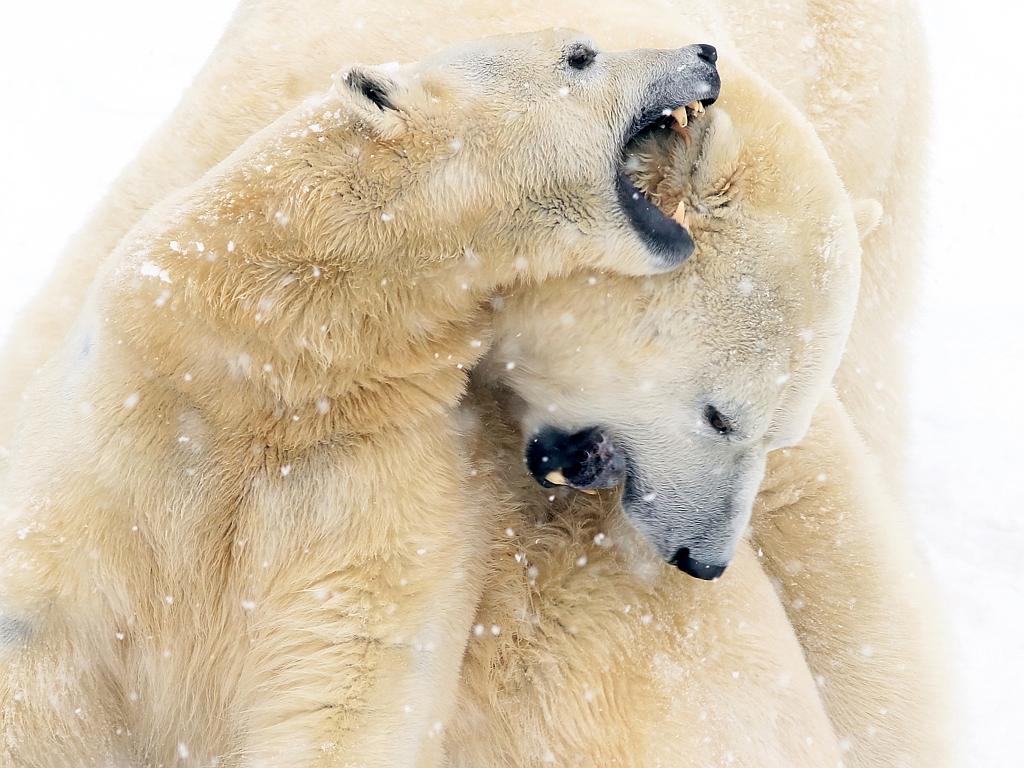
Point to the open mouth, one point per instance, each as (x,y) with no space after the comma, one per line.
(588,460)
(664,232)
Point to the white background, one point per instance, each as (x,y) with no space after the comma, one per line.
(83,84)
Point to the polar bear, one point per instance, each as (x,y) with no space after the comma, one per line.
(233,506)
(852,67)
(283,54)
(689,379)
(588,650)
(843,63)
(697,379)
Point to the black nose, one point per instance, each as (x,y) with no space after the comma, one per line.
(695,568)
(708,53)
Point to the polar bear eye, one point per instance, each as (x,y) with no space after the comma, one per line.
(717,421)
(580,57)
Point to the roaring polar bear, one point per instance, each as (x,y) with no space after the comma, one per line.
(285,54)
(233,514)
(849,66)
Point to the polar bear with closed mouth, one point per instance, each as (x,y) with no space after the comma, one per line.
(227,481)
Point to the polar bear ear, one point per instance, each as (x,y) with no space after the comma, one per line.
(377,99)
(867,212)
(372,86)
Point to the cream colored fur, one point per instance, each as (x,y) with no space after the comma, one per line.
(237,519)
(209,125)
(858,597)
(845,64)
(589,651)
(853,67)
(640,358)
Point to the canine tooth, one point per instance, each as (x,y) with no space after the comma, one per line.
(696,107)
(680,214)
(680,118)
(556,478)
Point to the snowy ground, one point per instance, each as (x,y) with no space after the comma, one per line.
(81,88)
(969,364)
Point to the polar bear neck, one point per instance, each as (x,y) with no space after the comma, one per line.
(234,304)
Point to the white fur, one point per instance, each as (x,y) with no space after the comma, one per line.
(274,56)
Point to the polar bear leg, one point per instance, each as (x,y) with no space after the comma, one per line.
(856,593)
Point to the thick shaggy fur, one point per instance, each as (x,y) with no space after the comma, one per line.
(238,523)
(272,57)
(589,651)
(850,67)
(642,357)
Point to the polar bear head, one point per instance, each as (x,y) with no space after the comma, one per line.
(514,145)
(678,386)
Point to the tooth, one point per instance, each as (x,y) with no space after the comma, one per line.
(588,491)
(680,215)
(696,107)
(680,118)
(556,478)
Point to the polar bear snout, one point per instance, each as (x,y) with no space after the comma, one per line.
(585,460)
(694,507)
(682,83)
(691,524)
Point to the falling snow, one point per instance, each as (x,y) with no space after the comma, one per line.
(149,269)
(964,478)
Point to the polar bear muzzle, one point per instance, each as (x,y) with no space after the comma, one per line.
(690,84)
(691,528)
